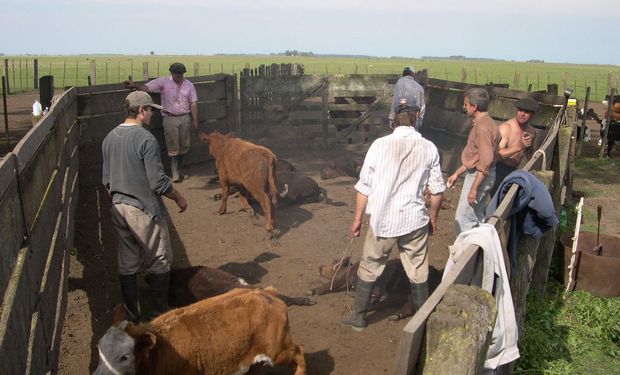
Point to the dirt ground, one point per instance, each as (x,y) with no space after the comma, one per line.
(311,235)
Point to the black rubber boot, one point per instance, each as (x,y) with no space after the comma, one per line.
(174,168)
(159,285)
(129,290)
(419,294)
(357,320)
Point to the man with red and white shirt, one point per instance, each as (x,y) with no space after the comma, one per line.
(179,113)
(396,170)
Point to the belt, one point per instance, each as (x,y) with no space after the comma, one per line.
(172,115)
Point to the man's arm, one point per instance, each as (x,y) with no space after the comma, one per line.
(434,212)
(452,179)
(506,151)
(473,192)
(193,108)
(130,84)
(177,198)
(360,207)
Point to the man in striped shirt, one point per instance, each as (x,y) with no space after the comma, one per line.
(396,170)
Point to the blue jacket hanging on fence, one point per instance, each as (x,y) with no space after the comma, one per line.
(532,211)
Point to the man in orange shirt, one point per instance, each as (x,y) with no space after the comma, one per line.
(477,162)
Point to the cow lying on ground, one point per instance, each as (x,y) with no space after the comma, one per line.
(391,288)
(342,166)
(192,284)
(227,334)
(248,166)
(296,188)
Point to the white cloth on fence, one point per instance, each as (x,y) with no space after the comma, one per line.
(503,348)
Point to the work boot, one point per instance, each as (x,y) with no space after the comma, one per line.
(181,174)
(419,294)
(357,320)
(129,290)
(159,285)
(174,168)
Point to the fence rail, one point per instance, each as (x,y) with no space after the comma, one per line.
(76,70)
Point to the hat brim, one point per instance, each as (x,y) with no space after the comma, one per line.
(157,106)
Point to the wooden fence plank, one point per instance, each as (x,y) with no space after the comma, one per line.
(10,217)
(36,363)
(17,309)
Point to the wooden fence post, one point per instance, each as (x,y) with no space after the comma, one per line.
(145,70)
(35,74)
(197,69)
(582,132)
(464,75)
(610,107)
(6,113)
(325,114)
(459,331)
(517,82)
(6,76)
(564,81)
(93,72)
(544,253)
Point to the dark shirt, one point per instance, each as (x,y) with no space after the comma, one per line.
(132,169)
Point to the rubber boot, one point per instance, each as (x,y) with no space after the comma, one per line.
(174,167)
(181,174)
(129,290)
(159,285)
(419,294)
(357,320)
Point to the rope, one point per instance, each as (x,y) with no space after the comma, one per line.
(338,265)
(106,363)
(544,157)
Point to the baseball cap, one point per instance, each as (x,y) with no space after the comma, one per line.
(527,104)
(409,69)
(407,104)
(141,99)
(177,68)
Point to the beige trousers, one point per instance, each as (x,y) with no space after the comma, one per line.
(177,131)
(142,241)
(412,248)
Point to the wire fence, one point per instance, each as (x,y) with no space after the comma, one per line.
(82,71)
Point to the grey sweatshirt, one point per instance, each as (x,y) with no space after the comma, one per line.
(132,169)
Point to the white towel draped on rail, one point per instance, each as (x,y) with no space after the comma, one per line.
(503,348)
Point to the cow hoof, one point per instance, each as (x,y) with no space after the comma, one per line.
(309,302)
(220,212)
(398,316)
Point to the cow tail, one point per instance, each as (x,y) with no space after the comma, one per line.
(273,190)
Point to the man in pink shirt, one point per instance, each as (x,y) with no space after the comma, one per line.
(179,113)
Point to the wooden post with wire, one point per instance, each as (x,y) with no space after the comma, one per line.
(582,131)
(6,113)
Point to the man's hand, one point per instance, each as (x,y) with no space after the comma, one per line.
(432,227)
(194,125)
(526,140)
(451,181)
(356,227)
(182,203)
(471,197)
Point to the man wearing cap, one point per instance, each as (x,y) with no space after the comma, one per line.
(407,86)
(180,113)
(134,178)
(396,170)
(477,162)
(517,140)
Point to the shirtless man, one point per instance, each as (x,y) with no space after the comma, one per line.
(517,140)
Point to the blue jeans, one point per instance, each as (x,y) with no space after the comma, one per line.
(468,216)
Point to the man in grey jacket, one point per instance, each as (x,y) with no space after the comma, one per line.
(134,177)
(407,87)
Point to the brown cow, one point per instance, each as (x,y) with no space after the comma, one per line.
(227,334)
(192,284)
(248,166)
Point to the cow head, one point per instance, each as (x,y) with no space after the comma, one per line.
(124,347)
(216,141)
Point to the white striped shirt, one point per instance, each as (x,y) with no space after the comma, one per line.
(396,169)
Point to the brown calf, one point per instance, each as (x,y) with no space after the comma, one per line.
(227,334)
(248,166)
(192,284)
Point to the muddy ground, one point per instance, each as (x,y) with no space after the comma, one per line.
(310,235)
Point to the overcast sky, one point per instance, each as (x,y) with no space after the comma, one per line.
(552,30)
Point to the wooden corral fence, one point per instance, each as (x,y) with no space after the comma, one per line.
(550,164)
(100,108)
(313,108)
(38,198)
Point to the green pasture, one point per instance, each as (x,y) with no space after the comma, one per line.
(74,70)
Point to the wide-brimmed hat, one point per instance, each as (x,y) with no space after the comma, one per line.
(141,99)
(527,104)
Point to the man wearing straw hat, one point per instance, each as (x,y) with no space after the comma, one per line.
(396,170)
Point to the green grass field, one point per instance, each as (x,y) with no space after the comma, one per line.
(74,70)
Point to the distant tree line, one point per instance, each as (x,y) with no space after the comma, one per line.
(298,53)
